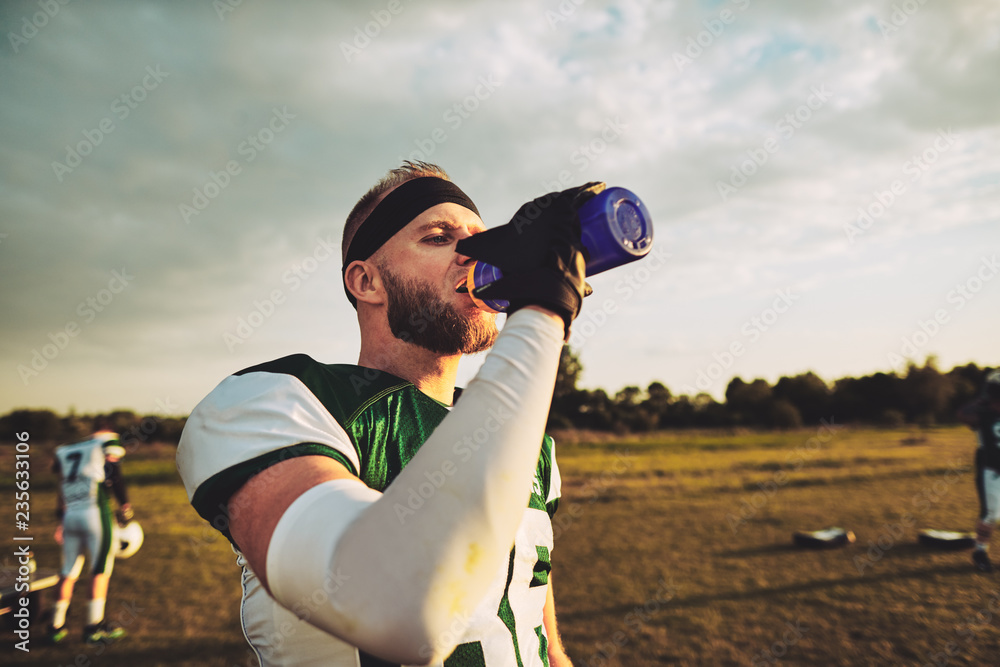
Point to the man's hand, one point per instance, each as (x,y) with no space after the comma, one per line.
(125,514)
(540,254)
(59,534)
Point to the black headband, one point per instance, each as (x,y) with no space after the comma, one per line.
(396,211)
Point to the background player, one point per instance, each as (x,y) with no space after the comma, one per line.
(983,416)
(357,497)
(88,470)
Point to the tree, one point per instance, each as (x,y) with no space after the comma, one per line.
(926,393)
(569,372)
(657,404)
(710,413)
(967,382)
(866,399)
(782,414)
(596,411)
(566,398)
(749,403)
(630,411)
(39,424)
(808,393)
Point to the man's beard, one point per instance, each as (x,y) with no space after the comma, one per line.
(417,315)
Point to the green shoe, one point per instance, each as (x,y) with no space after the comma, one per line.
(982,560)
(102,632)
(56,635)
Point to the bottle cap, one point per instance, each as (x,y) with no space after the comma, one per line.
(617,229)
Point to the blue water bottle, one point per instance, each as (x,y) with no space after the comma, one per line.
(616,229)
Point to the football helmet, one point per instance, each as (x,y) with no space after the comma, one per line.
(128,539)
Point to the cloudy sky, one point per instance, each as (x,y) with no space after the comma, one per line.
(823,179)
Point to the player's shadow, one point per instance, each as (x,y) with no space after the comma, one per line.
(904,550)
(767,550)
(915,550)
(866,580)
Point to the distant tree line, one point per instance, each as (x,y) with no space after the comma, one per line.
(922,395)
(135,430)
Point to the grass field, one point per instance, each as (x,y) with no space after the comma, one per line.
(670,549)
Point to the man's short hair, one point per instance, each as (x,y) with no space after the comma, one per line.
(393,179)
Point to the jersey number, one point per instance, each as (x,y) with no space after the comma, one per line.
(74,459)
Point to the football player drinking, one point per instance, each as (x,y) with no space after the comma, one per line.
(379,516)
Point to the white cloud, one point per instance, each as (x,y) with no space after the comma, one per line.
(684,131)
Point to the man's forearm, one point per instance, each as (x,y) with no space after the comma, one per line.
(409,575)
(116,481)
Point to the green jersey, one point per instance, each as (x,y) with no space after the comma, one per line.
(372,423)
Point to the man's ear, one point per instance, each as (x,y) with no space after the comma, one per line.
(364,282)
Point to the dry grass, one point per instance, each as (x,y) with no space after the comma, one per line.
(673,515)
(651,563)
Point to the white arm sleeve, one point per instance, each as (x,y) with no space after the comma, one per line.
(397,579)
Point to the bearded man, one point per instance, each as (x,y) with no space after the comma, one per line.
(379,516)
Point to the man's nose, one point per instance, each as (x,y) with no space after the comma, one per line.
(464,260)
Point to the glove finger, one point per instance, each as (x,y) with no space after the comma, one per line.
(538,288)
(490,246)
(579,195)
(498,290)
(557,209)
(527,288)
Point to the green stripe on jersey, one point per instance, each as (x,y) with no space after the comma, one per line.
(540,573)
(467,655)
(104,550)
(543,646)
(212,497)
(506,614)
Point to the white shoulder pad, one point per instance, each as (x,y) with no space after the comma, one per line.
(250,415)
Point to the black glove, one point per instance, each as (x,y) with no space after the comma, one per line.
(540,254)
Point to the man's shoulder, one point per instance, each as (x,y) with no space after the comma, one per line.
(291,363)
(306,368)
(340,388)
(292,406)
